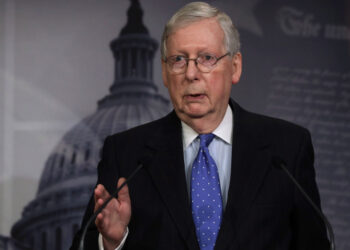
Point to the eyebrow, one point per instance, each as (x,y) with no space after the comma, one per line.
(199,53)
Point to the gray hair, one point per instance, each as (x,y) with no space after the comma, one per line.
(197,11)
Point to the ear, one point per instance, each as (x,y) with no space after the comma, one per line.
(236,67)
(164,73)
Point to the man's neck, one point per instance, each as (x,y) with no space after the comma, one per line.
(224,131)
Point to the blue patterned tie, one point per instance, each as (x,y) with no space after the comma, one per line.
(206,195)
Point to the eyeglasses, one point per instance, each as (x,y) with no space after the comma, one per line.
(204,62)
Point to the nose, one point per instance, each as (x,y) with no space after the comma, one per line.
(192,70)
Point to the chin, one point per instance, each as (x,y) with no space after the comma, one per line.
(196,113)
(195,116)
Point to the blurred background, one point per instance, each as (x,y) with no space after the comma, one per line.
(73,72)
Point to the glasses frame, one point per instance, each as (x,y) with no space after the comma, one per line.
(196,62)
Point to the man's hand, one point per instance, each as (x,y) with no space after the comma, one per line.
(114,218)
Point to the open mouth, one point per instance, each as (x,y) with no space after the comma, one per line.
(195,97)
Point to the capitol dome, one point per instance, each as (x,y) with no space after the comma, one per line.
(69,176)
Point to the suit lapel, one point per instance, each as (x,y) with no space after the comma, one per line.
(250,162)
(168,174)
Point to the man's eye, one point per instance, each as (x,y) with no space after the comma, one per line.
(208,57)
(178,58)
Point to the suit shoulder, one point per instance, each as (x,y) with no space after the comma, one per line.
(146,130)
(272,125)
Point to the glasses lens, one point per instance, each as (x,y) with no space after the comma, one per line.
(206,60)
(177,63)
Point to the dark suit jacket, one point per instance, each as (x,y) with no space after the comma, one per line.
(264,210)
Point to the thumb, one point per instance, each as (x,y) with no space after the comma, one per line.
(123,195)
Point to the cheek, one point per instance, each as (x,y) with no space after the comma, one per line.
(219,85)
(175,91)
(175,85)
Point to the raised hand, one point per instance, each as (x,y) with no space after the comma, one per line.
(114,218)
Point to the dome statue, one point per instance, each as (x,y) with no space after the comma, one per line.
(51,219)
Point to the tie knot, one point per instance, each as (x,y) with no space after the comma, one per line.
(205,139)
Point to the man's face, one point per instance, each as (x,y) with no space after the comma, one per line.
(194,94)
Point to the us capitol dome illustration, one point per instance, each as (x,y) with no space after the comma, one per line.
(51,219)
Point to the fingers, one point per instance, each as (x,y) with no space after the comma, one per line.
(102,217)
(101,193)
(99,221)
(123,195)
(100,196)
(105,217)
(112,221)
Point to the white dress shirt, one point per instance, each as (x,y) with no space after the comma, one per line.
(220,150)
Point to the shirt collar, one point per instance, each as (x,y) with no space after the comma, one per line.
(223,131)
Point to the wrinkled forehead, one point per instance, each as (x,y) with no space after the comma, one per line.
(182,25)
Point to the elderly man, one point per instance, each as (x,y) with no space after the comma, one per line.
(208,180)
